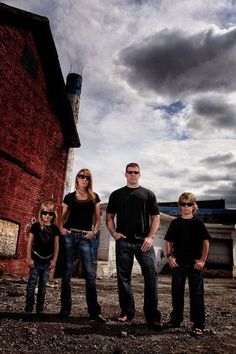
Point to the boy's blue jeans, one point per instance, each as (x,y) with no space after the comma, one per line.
(75,244)
(125,252)
(196,293)
(39,274)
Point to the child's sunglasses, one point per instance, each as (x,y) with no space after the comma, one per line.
(50,213)
(186,204)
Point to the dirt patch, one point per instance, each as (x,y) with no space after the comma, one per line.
(51,334)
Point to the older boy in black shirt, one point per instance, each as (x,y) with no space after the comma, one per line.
(187,249)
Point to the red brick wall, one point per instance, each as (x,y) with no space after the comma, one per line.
(30,136)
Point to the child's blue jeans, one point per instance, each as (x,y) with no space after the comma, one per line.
(196,293)
(39,274)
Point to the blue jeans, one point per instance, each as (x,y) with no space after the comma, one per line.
(75,244)
(95,245)
(196,292)
(125,252)
(39,274)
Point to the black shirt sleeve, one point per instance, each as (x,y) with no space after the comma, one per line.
(153,208)
(97,199)
(56,231)
(34,228)
(203,231)
(170,232)
(68,199)
(112,205)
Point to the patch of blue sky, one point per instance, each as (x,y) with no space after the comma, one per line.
(183,136)
(171,109)
(228,14)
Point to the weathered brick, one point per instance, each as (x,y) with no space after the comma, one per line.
(34,162)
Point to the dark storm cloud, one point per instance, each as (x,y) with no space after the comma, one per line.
(173,174)
(222,184)
(226,192)
(173,63)
(219,159)
(215,111)
(210,178)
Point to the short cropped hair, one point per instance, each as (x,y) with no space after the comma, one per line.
(132,164)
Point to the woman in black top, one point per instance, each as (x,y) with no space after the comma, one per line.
(80,224)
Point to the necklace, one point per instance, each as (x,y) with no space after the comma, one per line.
(81,193)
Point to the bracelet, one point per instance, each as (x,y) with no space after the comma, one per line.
(169,255)
(95,231)
(113,233)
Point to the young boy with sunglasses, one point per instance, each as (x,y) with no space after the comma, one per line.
(187,249)
(42,253)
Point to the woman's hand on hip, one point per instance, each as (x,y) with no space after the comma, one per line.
(90,235)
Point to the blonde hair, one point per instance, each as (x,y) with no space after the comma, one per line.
(51,206)
(191,198)
(89,187)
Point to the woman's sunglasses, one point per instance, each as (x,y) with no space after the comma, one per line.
(84,177)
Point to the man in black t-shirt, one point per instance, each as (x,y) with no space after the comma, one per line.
(137,222)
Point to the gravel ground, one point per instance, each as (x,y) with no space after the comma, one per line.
(51,334)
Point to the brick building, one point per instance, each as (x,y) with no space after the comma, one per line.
(37,129)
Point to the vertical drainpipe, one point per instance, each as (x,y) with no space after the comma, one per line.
(73,89)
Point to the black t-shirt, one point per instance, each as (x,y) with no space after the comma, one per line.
(80,212)
(43,243)
(133,207)
(187,236)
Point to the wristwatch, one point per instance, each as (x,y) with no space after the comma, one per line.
(169,255)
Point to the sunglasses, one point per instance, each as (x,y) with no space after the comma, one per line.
(50,213)
(84,177)
(133,172)
(186,204)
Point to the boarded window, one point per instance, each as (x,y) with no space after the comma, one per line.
(9,232)
(29,62)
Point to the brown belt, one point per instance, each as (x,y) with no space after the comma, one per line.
(76,230)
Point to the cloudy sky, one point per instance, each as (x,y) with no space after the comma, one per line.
(159,88)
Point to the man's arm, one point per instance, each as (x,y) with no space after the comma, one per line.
(148,241)
(112,228)
(155,222)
